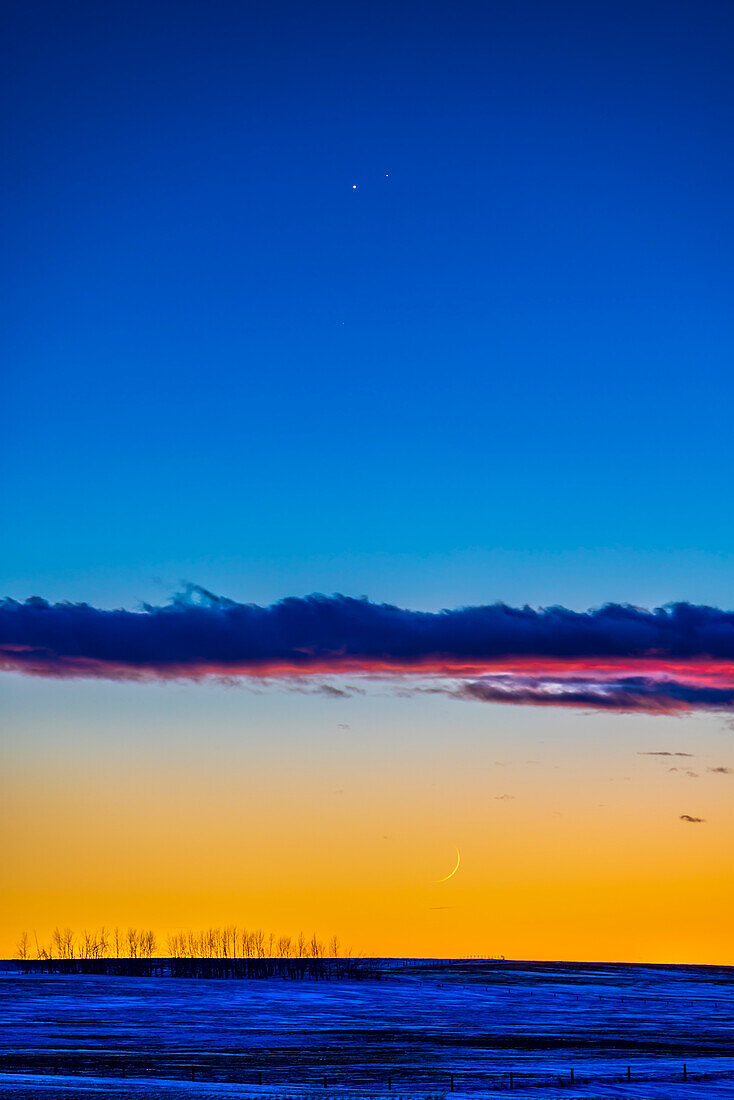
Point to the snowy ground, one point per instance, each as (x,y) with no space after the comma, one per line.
(405,1036)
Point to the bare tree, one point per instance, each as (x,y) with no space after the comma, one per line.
(132,942)
(102,943)
(22,948)
(62,943)
(231,931)
(41,951)
(68,943)
(147,943)
(316,948)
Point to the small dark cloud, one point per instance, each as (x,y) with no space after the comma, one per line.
(691,775)
(343,726)
(332,692)
(692,820)
(721,771)
(503,797)
(303,686)
(665,754)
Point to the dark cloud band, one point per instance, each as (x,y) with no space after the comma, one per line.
(614,657)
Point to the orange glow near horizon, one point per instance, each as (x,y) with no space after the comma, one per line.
(571,843)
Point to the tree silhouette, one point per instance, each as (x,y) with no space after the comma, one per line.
(224,943)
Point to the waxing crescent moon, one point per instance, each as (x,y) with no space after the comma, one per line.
(456,868)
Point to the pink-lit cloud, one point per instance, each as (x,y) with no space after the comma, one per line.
(617,657)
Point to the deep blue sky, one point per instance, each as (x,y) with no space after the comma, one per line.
(500,368)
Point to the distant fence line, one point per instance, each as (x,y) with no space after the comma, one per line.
(439,1080)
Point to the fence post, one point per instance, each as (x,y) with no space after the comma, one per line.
(389,1082)
(452,1082)
(260,1078)
(511,1083)
(572,1075)
(193,1074)
(685,1072)
(629,1078)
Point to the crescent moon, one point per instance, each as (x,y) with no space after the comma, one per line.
(456,868)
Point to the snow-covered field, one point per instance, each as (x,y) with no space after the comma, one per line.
(560,1030)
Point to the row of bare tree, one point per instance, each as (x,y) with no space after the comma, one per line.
(229,942)
(129,943)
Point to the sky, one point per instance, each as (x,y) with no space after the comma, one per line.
(429,304)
